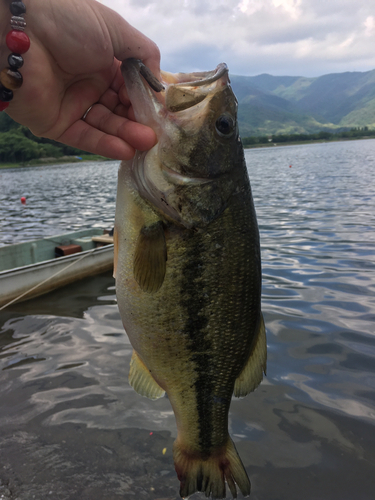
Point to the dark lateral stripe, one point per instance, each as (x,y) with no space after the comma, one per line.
(194,302)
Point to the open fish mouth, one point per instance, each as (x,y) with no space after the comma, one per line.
(196,79)
(175,92)
(205,77)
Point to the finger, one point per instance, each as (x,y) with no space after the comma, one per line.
(83,136)
(124,99)
(110,99)
(129,42)
(137,135)
(124,111)
(118,79)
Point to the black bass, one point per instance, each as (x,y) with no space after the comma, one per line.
(187,268)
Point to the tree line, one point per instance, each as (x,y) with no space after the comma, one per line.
(19,145)
(356,132)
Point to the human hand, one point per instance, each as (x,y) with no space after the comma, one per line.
(74,63)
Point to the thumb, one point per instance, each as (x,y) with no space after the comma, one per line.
(128,42)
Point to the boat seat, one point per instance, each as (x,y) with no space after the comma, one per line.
(62,250)
(105,239)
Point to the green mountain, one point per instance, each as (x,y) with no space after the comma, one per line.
(285,104)
(270,105)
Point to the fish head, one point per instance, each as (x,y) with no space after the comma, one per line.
(192,168)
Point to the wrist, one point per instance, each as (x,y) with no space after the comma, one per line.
(18,43)
(4,27)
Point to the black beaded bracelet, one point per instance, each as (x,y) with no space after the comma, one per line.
(18,43)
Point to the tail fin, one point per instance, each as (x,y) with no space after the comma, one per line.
(197,473)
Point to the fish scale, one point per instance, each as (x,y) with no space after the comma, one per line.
(188,282)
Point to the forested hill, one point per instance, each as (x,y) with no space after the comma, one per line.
(287,104)
(268,105)
(19,145)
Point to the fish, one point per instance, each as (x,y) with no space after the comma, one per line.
(188,268)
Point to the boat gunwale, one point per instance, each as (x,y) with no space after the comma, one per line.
(56,261)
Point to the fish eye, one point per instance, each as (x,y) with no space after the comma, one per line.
(225,125)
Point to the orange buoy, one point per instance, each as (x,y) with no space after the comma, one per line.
(23,200)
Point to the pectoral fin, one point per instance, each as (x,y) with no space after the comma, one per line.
(150,258)
(141,379)
(252,374)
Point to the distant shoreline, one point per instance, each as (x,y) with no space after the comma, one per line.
(303,143)
(38,162)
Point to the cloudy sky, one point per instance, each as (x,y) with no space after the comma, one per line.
(280,37)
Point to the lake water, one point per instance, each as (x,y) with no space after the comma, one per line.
(73,429)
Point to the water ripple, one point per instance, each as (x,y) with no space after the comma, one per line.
(310,426)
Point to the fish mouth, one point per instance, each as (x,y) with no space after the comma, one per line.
(204,77)
(196,79)
(152,99)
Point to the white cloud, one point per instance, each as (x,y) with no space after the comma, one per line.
(249,7)
(290,37)
(292,7)
(369,26)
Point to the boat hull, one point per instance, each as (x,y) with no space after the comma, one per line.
(28,281)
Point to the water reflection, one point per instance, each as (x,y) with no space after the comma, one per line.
(307,432)
(60,199)
(68,361)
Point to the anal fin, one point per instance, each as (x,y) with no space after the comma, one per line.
(141,379)
(252,373)
(150,258)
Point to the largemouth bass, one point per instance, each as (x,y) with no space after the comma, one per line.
(187,268)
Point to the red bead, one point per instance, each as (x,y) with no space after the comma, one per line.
(18,41)
(3,105)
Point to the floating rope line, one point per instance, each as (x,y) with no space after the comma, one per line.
(49,278)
